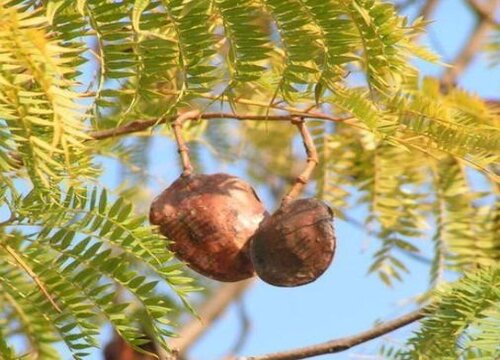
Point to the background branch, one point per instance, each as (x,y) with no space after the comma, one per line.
(482,11)
(244,330)
(10,220)
(343,344)
(208,313)
(470,49)
(428,8)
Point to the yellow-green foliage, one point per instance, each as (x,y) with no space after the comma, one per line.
(37,99)
(464,320)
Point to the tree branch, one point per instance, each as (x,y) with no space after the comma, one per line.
(482,11)
(469,50)
(244,331)
(342,344)
(208,313)
(428,8)
(141,125)
(9,221)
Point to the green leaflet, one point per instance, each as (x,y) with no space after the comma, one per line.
(394,207)
(5,350)
(467,233)
(248,41)
(37,99)
(463,321)
(301,46)
(381,35)
(74,256)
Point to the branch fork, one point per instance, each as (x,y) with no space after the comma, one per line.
(300,182)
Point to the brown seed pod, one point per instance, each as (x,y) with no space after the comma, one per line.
(295,245)
(209,220)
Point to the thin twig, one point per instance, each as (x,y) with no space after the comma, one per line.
(244,331)
(32,274)
(141,125)
(181,144)
(342,344)
(208,313)
(469,50)
(10,220)
(425,12)
(312,160)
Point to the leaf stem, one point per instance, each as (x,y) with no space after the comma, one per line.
(32,274)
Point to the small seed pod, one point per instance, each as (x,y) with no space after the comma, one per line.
(295,245)
(209,220)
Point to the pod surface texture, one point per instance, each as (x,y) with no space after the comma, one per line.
(295,245)
(209,220)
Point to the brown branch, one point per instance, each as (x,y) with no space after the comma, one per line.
(9,221)
(482,11)
(141,125)
(428,8)
(183,150)
(208,313)
(312,161)
(244,331)
(342,344)
(469,50)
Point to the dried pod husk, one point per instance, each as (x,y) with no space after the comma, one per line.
(209,220)
(295,245)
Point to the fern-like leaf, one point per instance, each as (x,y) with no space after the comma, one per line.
(463,322)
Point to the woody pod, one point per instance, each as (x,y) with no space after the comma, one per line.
(218,226)
(208,219)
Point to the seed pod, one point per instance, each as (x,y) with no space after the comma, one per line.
(209,220)
(295,245)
